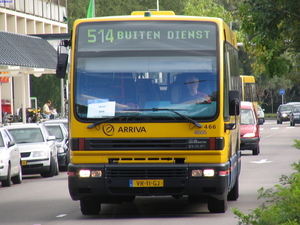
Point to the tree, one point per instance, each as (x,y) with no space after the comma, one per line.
(78,9)
(46,87)
(272,28)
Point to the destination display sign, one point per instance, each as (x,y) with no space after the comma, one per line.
(146,35)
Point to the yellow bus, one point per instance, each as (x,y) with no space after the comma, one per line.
(248,89)
(136,128)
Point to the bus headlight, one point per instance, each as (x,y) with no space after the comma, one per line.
(84,173)
(196,173)
(90,173)
(203,173)
(96,173)
(208,173)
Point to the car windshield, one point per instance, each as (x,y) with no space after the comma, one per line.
(247,117)
(286,108)
(296,110)
(55,131)
(27,135)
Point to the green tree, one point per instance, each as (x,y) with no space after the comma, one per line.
(46,87)
(78,9)
(272,28)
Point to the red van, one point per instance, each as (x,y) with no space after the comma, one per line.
(250,136)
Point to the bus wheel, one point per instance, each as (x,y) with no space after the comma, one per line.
(234,192)
(216,205)
(89,206)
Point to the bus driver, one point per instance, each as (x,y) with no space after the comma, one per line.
(193,93)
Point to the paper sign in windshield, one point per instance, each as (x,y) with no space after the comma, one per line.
(99,110)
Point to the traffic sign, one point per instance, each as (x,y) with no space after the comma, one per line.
(282,91)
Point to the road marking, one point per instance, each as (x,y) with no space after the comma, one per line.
(290,127)
(261,161)
(274,128)
(61,215)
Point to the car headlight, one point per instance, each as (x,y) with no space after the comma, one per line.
(284,115)
(39,154)
(248,135)
(60,149)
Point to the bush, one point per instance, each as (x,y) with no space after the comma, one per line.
(282,205)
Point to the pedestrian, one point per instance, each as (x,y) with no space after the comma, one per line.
(46,110)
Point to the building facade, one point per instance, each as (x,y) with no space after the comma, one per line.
(26,17)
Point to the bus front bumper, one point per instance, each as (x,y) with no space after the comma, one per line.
(121,180)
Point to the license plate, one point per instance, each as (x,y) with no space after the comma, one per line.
(146,183)
(24,163)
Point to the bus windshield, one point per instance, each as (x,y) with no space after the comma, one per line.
(114,79)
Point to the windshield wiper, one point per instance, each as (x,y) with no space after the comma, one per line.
(153,109)
(103,121)
(183,116)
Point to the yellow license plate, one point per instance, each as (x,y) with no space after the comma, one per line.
(146,183)
(24,163)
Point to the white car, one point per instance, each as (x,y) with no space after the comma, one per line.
(260,113)
(38,149)
(10,160)
(62,143)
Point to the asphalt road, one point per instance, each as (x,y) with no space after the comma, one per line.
(46,201)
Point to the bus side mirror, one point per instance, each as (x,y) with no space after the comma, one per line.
(62,63)
(234,103)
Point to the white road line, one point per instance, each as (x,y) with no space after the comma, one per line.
(261,161)
(61,215)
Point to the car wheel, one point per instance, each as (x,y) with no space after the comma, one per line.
(67,162)
(51,171)
(89,206)
(18,178)
(57,167)
(7,182)
(256,151)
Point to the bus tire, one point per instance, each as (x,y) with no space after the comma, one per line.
(90,206)
(217,205)
(234,192)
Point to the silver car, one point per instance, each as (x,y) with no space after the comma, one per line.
(38,149)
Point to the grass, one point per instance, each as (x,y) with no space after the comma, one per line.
(270,116)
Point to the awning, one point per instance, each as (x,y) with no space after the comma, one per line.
(26,54)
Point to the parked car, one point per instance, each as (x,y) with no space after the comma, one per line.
(295,115)
(64,121)
(249,131)
(283,112)
(38,149)
(62,143)
(10,160)
(260,113)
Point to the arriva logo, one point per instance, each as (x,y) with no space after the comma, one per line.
(109,129)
